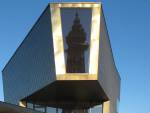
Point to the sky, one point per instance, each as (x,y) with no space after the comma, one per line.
(128,23)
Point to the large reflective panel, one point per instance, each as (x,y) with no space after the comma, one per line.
(76,31)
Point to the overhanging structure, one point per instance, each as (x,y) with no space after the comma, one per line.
(65,62)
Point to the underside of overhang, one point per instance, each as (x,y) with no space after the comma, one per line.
(69,94)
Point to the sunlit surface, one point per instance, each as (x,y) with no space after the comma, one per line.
(57,41)
(94,45)
(92,59)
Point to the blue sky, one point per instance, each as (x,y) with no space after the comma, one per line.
(128,23)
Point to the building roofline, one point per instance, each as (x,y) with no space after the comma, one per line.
(55,2)
(38,21)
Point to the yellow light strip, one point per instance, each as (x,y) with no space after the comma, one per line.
(106,107)
(58,41)
(77,76)
(75,5)
(94,43)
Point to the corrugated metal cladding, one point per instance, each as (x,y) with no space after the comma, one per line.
(32,66)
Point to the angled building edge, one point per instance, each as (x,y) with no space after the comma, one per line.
(32,71)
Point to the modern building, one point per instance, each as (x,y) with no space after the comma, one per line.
(10,108)
(65,64)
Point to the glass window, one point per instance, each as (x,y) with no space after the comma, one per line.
(51,110)
(76,29)
(96,109)
(30,105)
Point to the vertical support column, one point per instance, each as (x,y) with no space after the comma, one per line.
(106,107)
(56,110)
(45,109)
(23,103)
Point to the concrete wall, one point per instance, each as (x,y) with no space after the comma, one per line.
(32,66)
(108,75)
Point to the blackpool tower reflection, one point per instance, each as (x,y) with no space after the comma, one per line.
(76,41)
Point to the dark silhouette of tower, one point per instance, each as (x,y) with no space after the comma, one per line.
(76,41)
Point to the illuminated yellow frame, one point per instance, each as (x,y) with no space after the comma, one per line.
(58,41)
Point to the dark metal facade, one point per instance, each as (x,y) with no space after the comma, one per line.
(32,66)
(37,72)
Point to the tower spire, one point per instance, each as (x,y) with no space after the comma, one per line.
(76,41)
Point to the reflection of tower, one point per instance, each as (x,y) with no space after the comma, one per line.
(76,47)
